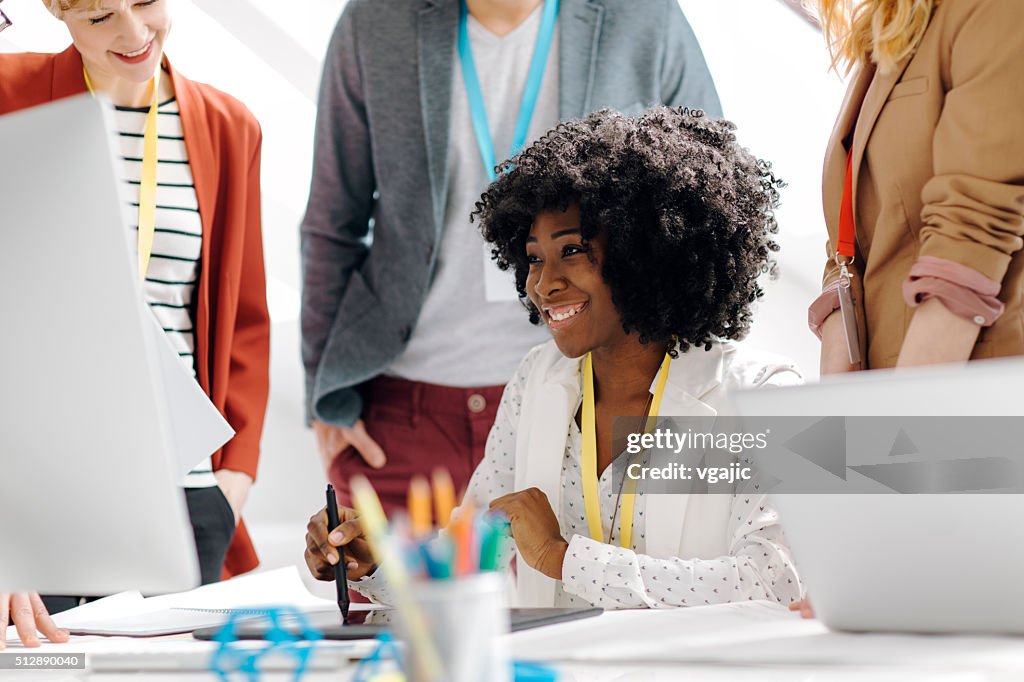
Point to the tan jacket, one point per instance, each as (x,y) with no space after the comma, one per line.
(938,158)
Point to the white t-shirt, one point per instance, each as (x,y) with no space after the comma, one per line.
(173,271)
(462,339)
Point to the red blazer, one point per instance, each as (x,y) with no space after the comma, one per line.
(232,324)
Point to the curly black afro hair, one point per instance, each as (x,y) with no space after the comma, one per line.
(688,213)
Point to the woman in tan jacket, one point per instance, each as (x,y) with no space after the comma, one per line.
(923,185)
(932,132)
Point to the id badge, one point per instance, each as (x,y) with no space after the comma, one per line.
(499,285)
(849,316)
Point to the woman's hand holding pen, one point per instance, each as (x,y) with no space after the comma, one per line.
(535,530)
(322,545)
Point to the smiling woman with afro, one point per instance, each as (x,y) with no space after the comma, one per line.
(688,213)
(638,241)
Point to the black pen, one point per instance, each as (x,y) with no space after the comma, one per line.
(340,571)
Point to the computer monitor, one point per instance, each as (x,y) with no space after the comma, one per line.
(907,562)
(90,502)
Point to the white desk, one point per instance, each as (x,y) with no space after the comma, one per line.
(771,648)
(607,673)
(616,673)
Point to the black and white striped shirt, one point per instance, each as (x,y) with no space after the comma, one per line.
(173,272)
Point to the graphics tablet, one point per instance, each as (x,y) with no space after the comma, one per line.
(369,624)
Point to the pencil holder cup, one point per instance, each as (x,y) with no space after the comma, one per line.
(466,618)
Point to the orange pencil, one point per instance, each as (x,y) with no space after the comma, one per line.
(444,497)
(419,506)
(461,529)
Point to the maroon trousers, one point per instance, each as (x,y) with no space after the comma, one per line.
(421,427)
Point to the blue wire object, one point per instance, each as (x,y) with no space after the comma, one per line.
(533,672)
(387,651)
(230,657)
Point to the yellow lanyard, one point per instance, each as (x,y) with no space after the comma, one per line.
(591,496)
(147,189)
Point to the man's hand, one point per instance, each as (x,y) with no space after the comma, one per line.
(322,547)
(236,486)
(535,530)
(29,614)
(331,440)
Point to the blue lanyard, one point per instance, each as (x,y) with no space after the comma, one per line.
(530,93)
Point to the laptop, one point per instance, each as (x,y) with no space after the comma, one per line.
(932,563)
(89,484)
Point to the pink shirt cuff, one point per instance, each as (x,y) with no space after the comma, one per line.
(964,291)
(822,307)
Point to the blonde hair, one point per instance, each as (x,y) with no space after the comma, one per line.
(879,31)
(59,7)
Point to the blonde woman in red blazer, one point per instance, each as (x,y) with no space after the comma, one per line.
(120,43)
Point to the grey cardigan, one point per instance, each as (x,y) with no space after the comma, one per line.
(377,200)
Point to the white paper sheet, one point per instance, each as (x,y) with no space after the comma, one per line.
(129,614)
(195,428)
(281,586)
(152,623)
(114,606)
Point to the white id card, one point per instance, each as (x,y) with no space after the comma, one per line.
(498,285)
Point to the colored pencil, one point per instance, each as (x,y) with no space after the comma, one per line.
(444,497)
(389,558)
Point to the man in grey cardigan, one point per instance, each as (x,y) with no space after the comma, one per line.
(408,331)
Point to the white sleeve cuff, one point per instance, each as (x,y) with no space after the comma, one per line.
(373,586)
(591,568)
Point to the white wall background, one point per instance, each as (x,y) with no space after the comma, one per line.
(772,74)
